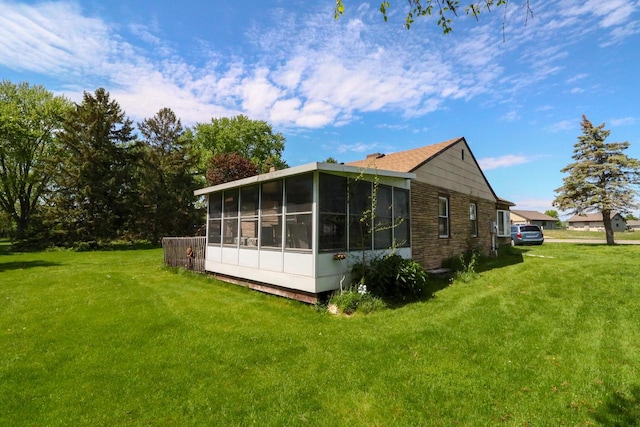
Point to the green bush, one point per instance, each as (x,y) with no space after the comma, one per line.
(466,271)
(390,276)
(356,299)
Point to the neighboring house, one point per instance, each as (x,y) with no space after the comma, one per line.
(535,218)
(593,222)
(286,231)
(633,224)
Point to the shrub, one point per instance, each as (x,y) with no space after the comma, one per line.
(467,270)
(390,276)
(356,299)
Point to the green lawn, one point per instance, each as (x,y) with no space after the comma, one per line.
(546,336)
(575,234)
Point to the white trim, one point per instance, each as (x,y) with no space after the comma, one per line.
(310,167)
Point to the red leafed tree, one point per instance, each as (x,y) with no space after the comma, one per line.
(226,167)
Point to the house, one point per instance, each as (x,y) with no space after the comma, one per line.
(633,224)
(533,217)
(594,222)
(296,232)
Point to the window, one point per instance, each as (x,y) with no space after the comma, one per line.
(249,202)
(473,219)
(443,217)
(383,227)
(503,222)
(230,217)
(299,199)
(215,219)
(271,215)
(332,213)
(359,215)
(401,218)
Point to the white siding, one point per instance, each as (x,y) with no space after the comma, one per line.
(451,171)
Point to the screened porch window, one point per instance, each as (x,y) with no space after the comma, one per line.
(401,218)
(230,218)
(215,219)
(383,229)
(249,204)
(271,216)
(299,199)
(332,207)
(359,215)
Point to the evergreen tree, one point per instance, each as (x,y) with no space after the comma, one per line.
(166,179)
(601,179)
(94,185)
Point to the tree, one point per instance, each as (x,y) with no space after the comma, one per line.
(331,160)
(165,179)
(94,185)
(227,167)
(251,139)
(30,116)
(601,178)
(554,214)
(447,10)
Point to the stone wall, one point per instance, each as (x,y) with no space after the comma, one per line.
(427,247)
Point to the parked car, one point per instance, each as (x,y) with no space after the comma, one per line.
(526,235)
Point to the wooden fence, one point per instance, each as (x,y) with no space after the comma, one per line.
(175,252)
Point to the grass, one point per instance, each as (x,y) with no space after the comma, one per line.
(546,335)
(599,235)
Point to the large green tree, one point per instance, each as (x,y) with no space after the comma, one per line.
(94,185)
(165,179)
(445,10)
(30,116)
(601,179)
(251,139)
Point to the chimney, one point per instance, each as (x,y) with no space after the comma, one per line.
(374,156)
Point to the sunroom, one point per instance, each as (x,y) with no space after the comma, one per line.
(297,231)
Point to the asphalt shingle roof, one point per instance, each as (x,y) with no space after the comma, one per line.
(405,161)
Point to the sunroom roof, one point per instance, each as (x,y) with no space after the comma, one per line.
(297,170)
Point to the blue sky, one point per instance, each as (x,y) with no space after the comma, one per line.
(357,85)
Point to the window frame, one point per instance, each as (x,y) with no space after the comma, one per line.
(473,218)
(504,223)
(444,219)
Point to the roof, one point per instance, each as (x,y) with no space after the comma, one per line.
(405,161)
(533,215)
(595,217)
(309,167)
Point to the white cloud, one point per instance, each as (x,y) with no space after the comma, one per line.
(358,147)
(563,125)
(307,72)
(623,121)
(506,161)
(577,77)
(511,116)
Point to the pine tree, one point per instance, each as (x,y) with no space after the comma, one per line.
(94,184)
(601,179)
(166,179)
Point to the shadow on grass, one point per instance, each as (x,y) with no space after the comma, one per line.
(23,265)
(620,409)
(506,256)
